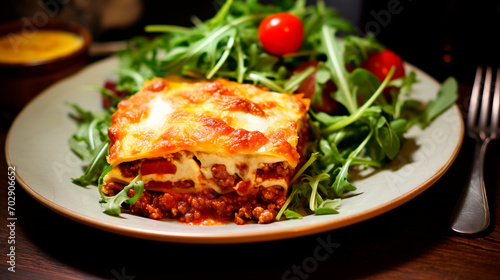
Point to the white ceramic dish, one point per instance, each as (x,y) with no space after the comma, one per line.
(37,147)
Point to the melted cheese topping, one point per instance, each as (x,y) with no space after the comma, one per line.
(217,117)
(41,45)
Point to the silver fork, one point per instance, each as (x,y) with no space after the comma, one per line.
(471,214)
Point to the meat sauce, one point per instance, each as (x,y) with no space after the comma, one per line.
(209,205)
(162,200)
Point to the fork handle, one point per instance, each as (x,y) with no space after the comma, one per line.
(471,214)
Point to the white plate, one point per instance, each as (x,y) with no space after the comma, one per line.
(37,147)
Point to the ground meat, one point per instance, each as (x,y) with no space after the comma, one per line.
(270,194)
(261,204)
(222,178)
(111,188)
(164,186)
(196,208)
(275,170)
(130,169)
(257,211)
(264,216)
(243,168)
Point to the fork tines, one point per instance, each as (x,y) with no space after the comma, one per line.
(484,108)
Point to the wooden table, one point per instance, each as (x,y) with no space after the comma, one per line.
(413,241)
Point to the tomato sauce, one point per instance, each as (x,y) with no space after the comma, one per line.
(158,166)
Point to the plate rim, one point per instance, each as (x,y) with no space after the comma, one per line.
(184,237)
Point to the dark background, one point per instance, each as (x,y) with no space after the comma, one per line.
(425,31)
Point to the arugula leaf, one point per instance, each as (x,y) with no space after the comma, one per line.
(446,97)
(338,72)
(364,108)
(94,169)
(112,204)
(295,80)
(327,119)
(315,196)
(341,183)
(387,139)
(405,89)
(331,156)
(399,127)
(290,214)
(221,16)
(294,195)
(304,167)
(328,206)
(357,49)
(366,84)
(90,142)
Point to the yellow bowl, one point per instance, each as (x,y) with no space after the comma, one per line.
(23,79)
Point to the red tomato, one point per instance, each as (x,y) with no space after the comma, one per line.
(111,86)
(308,86)
(158,166)
(281,33)
(380,63)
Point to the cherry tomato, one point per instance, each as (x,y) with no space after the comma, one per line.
(281,33)
(380,63)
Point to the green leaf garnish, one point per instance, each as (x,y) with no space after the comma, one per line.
(113,204)
(446,97)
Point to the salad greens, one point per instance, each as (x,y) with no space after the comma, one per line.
(368,132)
(90,142)
(113,204)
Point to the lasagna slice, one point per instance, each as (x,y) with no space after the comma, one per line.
(208,151)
